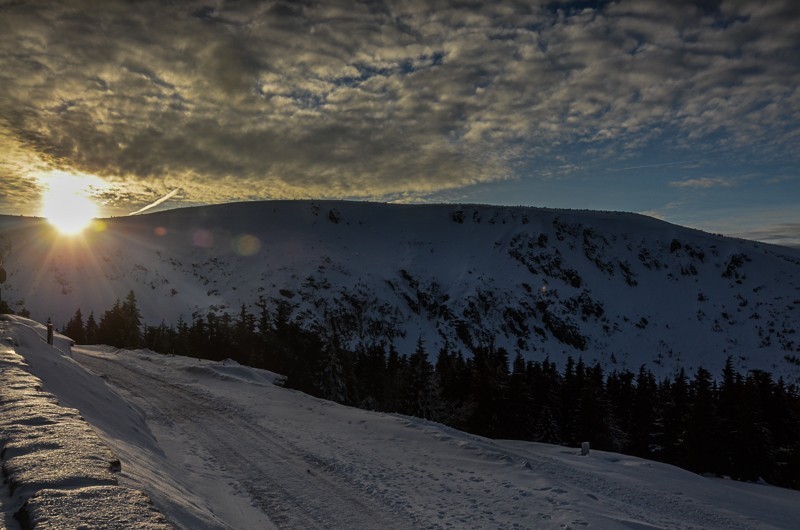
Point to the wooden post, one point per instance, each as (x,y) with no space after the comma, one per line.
(49,332)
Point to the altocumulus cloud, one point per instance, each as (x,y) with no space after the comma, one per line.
(242,100)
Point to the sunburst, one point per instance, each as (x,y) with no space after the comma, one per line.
(67,202)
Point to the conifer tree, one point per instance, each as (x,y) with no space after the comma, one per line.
(244,337)
(181,346)
(751,452)
(592,413)
(91,329)
(642,427)
(674,397)
(110,326)
(488,386)
(620,390)
(421,394)
(453,377)
(570,394)
(75,328)
(157,338)
(519,413)
(370,376)
(332,382)
(395,367)
(131,322)
(546,382)
(702,426)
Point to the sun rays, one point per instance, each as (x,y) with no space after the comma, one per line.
(67,202)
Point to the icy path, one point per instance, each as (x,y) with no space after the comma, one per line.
(229,453)
(231,449)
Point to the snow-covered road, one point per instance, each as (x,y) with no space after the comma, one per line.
(218,445)
(230,452)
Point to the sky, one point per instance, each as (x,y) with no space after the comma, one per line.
(688,111)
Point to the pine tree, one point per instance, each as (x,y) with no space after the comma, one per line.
(421,393)
(131,319)
(75,328)
(751,444)
(453,376)
(702,426)
(546,383)
(182,336)
(244,338)
(488,385)
(620,391)
(570,396)
(546,427)
(783,413)
(109,330)
(642,428)
(332,381)
(674,398)
(519,414)
(158,338)
(594,421)
(91,329)
(370,376)
(395,367)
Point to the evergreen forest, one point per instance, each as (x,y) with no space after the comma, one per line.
(743,426)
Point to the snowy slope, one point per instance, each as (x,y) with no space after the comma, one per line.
(216,445)
(622,289)
(57,473)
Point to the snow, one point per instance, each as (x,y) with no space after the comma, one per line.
(218,445)
(58,472)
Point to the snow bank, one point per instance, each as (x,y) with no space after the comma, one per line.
(230,370)
(58,472)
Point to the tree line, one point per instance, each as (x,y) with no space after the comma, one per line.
(746,426)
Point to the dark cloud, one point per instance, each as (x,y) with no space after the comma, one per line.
(371,99)
(16,194)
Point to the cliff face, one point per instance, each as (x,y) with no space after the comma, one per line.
(621,289)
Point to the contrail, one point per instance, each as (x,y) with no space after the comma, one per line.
(659,165)
(159,201)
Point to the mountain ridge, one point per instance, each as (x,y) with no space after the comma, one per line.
(618,288)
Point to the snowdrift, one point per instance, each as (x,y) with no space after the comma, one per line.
(58,472)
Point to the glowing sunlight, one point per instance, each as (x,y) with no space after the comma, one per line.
(66,201)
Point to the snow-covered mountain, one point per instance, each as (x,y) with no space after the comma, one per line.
(619,288)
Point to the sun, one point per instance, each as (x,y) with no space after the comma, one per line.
(66,203)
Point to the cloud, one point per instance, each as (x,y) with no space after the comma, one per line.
(383,99)
(663,164)
(705,183)
(786,234)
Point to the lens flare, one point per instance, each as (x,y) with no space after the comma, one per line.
(203,238)
(246,245)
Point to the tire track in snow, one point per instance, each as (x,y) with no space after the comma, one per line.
(294,488)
